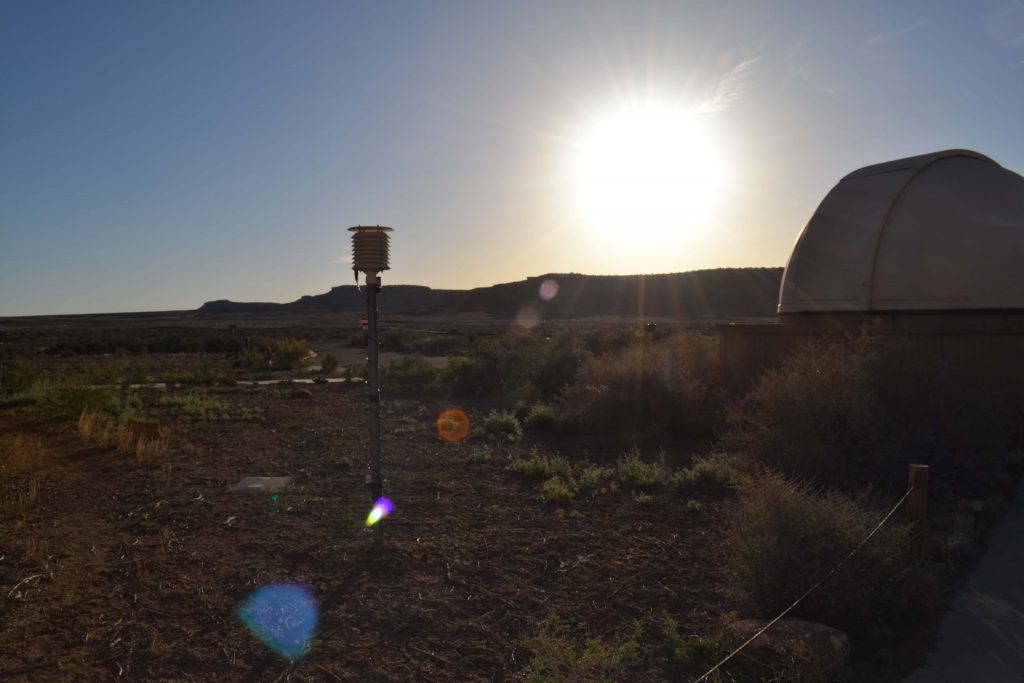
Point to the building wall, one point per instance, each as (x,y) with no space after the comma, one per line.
(989,345)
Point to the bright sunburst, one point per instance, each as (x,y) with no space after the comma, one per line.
(649,172)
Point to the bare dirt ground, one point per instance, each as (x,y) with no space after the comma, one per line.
(134,570)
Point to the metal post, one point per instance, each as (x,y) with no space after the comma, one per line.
(917,510)
(373,370)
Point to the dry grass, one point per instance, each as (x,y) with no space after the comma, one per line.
(19,456)
(20,453)
(145,440)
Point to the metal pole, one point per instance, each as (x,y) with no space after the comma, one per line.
(373,370)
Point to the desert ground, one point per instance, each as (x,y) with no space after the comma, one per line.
(547,555)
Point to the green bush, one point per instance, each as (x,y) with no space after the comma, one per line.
(500,425)
(330,364)
(591,477)
(478,456)
(465,377)
(17,376)
(200,377)
(68,400)
(561,654)
(542,466)
(276,354)
(541,418)
(200,406)
(197,405)
(785,536)
(557,490)
(714,473)
(631,470)
(410,373)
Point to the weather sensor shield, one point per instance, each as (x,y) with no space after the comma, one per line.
(370,248)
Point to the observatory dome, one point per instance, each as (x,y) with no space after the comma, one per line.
(937,232)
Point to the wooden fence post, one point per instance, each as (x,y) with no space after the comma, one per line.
(917,510)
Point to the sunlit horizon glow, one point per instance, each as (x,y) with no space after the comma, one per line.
(646,174)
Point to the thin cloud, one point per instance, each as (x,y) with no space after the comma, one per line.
(889,37)
(732,86)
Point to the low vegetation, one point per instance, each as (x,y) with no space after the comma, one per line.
(200,406)
(561,654)
(785,536)
(275,354)
(21,456)
(500,425)
(795,474)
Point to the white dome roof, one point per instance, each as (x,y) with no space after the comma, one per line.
(939,231)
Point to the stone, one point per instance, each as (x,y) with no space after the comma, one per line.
(794,643)
(260,484)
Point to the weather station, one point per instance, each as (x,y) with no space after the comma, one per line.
(370,252)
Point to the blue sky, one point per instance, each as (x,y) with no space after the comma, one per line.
(158,155)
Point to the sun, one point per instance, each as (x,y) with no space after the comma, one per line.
(647,172)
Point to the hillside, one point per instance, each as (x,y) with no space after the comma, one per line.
(719,293)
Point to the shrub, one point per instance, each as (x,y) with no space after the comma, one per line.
(69,400)
(589,477)
(414,373)
(330,364)
(276,354)
(197,405)
(500,425)
(631,470)
(557,490)
(478,456)
(469,377)
(200,377)
(701,650)
(714,473)
(16,377)
(541,418)
(664,387)
(816,417)
(562,654)
(542,466)
(785,536)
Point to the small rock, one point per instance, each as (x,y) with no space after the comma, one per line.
(794,643)
(301,393)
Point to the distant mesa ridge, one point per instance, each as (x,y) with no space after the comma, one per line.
(717,293)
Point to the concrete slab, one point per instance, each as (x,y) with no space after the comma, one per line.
(260,485)
(982,636)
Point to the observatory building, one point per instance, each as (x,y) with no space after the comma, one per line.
(930,246)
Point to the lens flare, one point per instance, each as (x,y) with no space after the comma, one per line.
(528,317)
(548,290)
(284,617)
(381,509)
(453,425)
